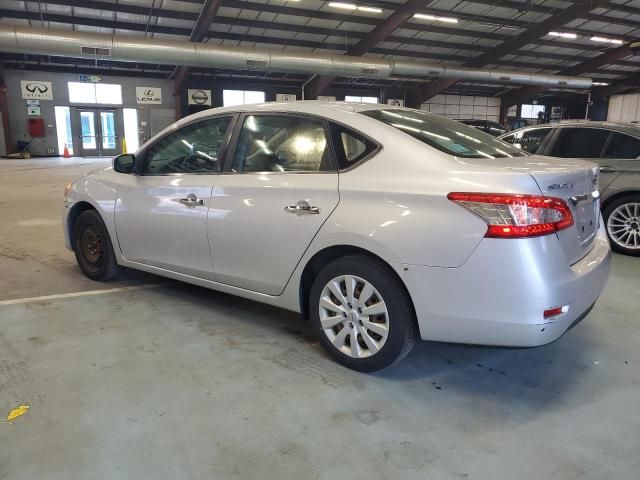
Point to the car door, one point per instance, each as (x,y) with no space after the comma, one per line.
(583,143)
(161,213)
(279,186)
(621,156)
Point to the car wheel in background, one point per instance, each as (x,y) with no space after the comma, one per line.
(92,247)
(362,313)
(622,219)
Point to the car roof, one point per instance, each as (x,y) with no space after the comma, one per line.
(628,128)
(337,111)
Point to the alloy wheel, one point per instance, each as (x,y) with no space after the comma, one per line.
(623,226)
(354,316)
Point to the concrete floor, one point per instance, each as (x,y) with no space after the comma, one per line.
(176,381)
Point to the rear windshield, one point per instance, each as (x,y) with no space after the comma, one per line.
(446,135)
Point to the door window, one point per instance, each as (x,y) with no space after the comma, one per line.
(88,127)
(622,146)
(108,129)
(580,142)
(195,148)
(278,143)
(528,140)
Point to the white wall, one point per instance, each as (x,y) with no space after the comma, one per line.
(624,108)
(463,107)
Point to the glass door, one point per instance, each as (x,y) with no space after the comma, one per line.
(98,132)
(108,137)
(88,133)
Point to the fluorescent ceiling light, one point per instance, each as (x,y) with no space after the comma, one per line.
(370,9)
(572,36)
(599,84)
(615,41)
(344,6)
(435,18)
(352,7)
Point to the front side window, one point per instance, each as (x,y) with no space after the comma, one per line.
(194,148)
(446,135)
(580,142)
(622,146)
(528,140)
(279,143)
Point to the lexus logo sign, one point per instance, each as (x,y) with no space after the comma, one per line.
(199,97)
(36,90)
(148,95)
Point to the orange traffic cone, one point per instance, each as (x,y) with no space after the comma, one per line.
(65,153)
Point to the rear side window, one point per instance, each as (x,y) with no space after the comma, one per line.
(280,143)
(622,146)
(528,140)
(351,147)
(580,142)
(446,135)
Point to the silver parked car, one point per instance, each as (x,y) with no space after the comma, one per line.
(616,147)
(382,224)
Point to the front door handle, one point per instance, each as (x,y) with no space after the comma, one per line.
(302,207)
(190,201)
(608,169)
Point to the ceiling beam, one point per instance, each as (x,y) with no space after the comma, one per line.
(513,44)
(199,33)
(520,95)
(180,15)
(379,34)
(619,86)
(279,41)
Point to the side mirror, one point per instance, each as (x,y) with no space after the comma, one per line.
(124,163)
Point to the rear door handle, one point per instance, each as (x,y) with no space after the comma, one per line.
(608,169)
(302,207)
(190,200)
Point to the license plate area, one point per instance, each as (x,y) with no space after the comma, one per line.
(586,214)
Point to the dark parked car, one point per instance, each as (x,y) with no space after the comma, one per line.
(492,128)
(616,147)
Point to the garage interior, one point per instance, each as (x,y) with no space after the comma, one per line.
(146,377)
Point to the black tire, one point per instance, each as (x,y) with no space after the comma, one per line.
(92,246)
(606,214)
(402,326)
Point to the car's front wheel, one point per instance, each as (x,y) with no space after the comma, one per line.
(362,313)
(92,247)
(622,217)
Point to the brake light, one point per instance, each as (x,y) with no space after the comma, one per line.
(516,216)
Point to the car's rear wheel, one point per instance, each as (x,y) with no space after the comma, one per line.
(362,313)
(622,218)
(92,247)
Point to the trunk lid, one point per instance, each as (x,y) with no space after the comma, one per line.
(576,182)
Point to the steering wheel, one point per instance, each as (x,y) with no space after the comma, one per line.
(195,162)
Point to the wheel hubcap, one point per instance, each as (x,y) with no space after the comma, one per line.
(624,225)
(354,316)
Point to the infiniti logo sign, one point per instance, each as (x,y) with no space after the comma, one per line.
(37,86)
(36,90)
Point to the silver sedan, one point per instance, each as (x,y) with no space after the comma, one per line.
(383,225)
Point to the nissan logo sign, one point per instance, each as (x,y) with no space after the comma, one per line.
(200,97)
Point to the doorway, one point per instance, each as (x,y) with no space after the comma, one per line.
(98,131)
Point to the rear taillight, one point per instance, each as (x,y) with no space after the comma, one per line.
(516,216)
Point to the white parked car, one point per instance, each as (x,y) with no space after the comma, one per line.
(382,224)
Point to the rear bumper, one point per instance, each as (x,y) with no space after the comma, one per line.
(499,295)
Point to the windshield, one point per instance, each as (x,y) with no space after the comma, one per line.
(446,135)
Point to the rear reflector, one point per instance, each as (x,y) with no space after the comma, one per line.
(555,311)
(516,216)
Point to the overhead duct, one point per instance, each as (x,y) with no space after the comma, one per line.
(16,39)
